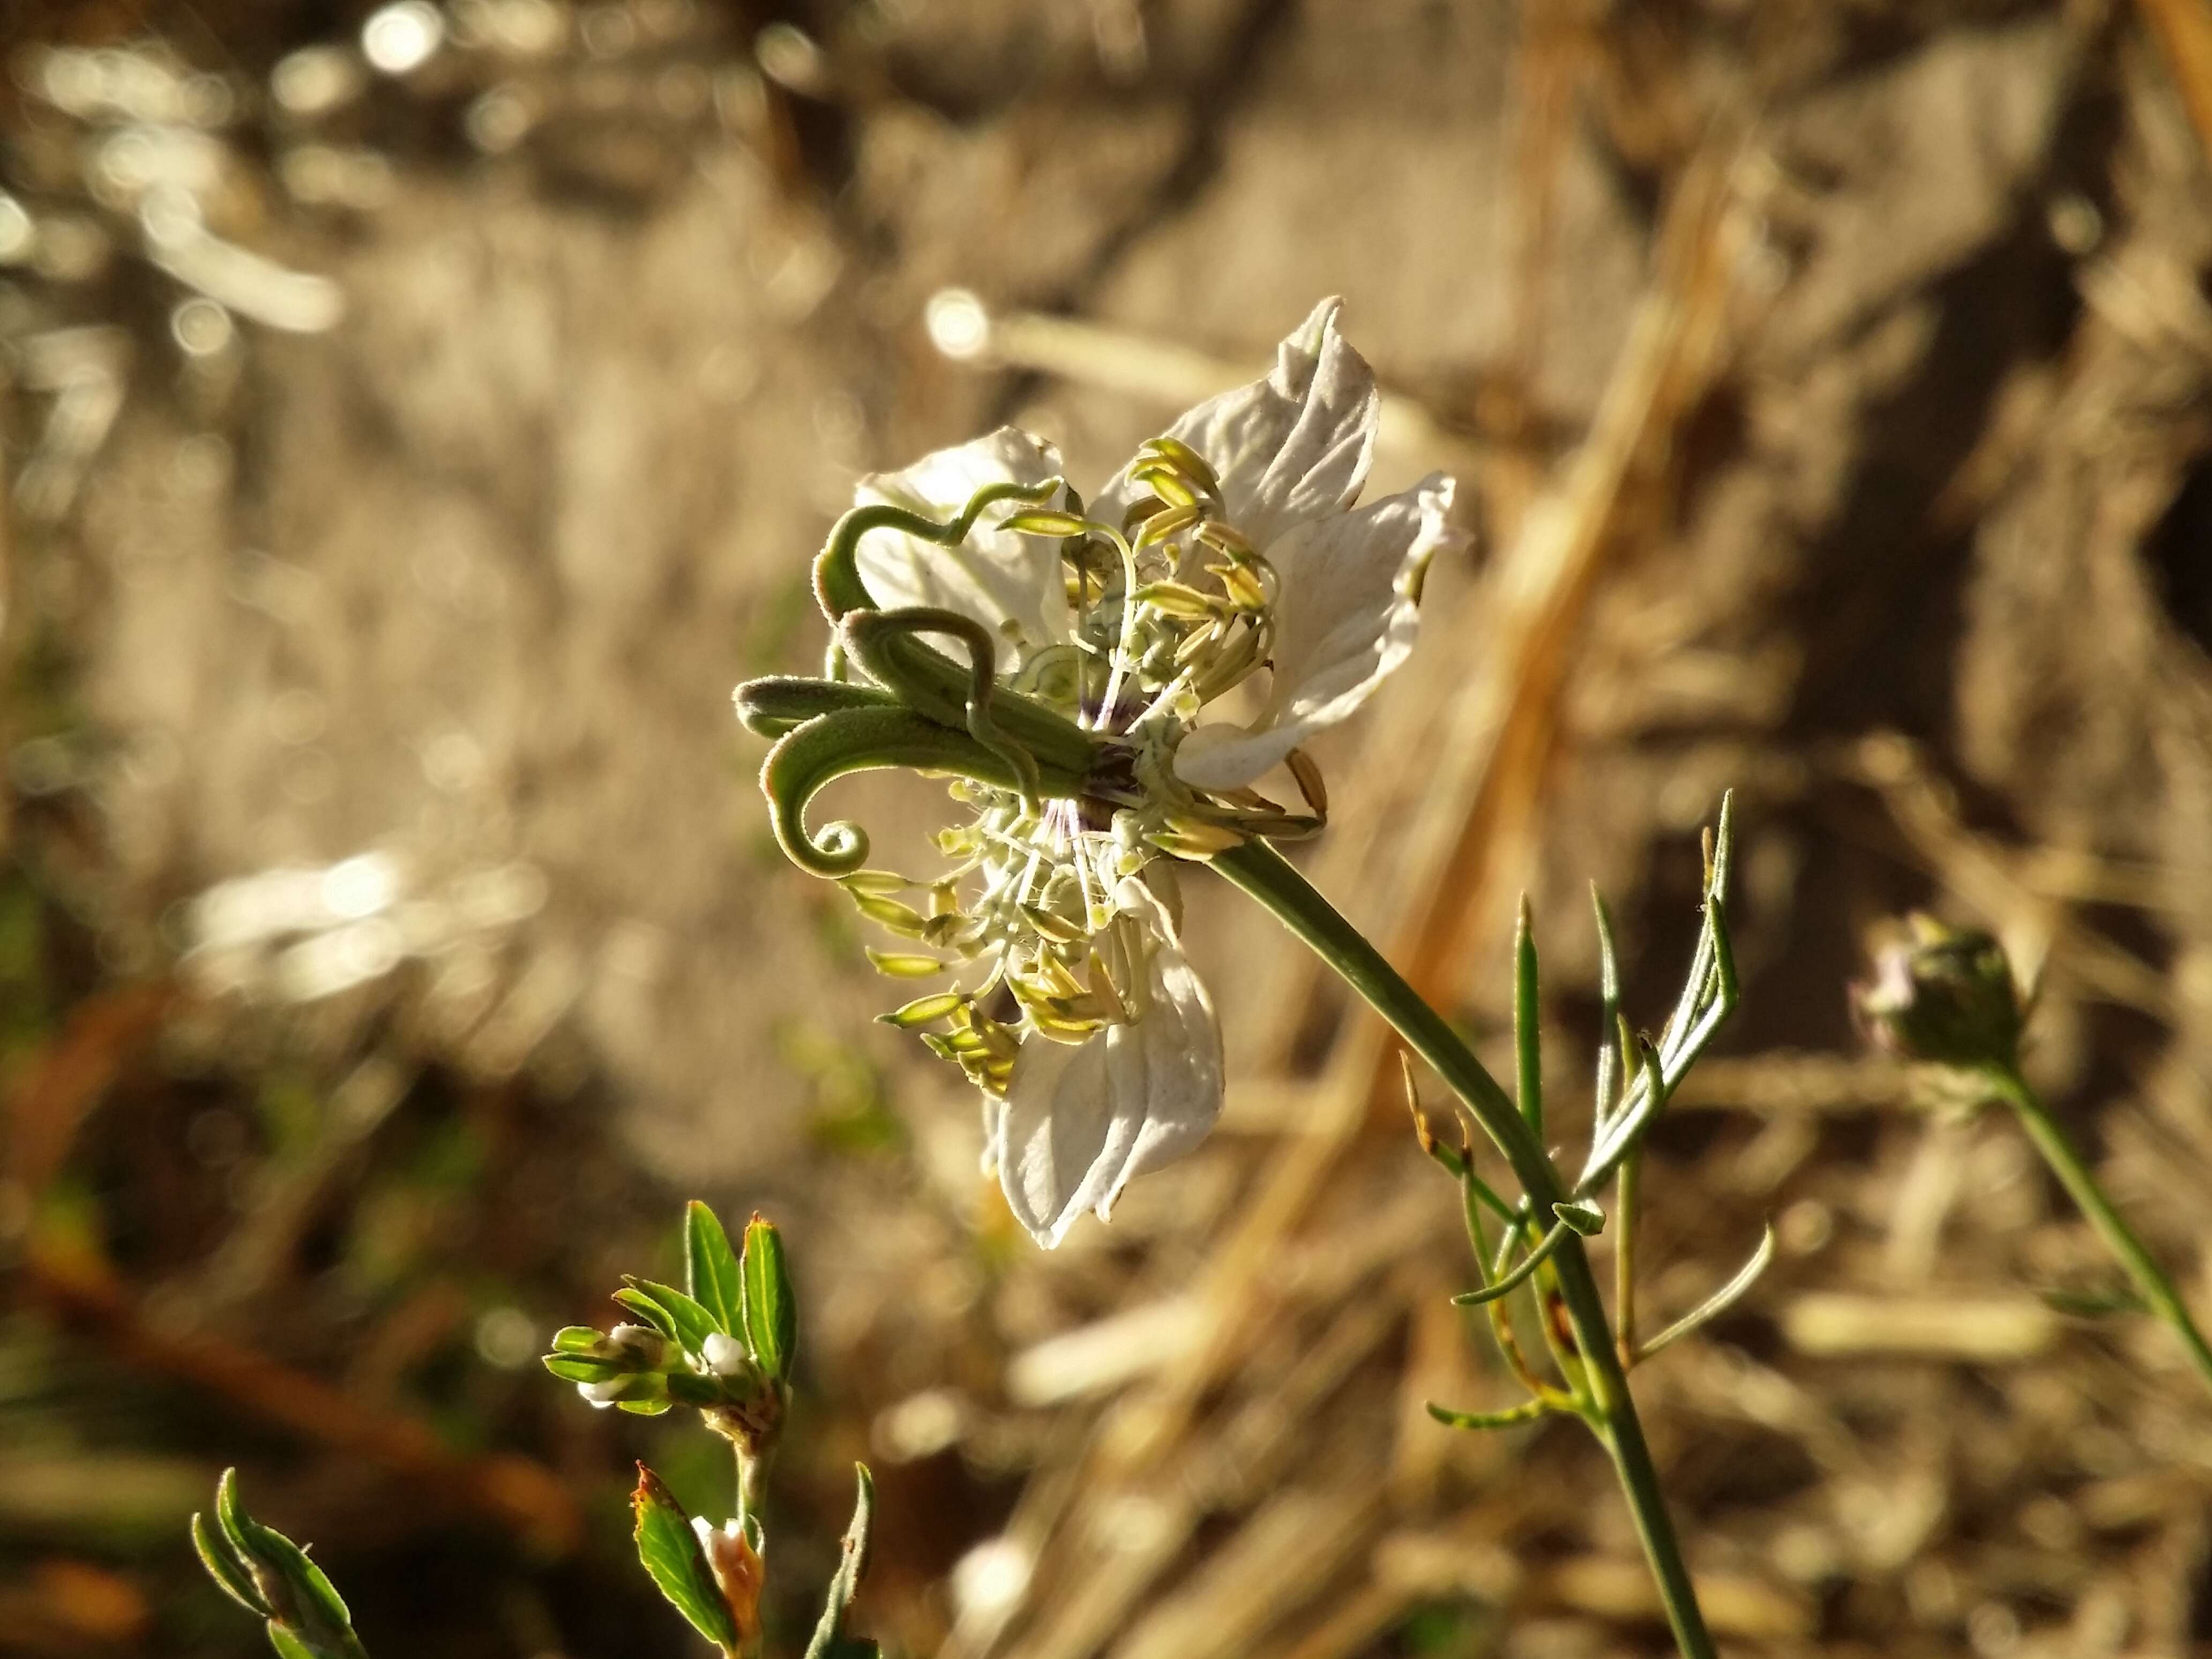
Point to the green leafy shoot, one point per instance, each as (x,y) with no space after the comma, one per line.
(271,1578)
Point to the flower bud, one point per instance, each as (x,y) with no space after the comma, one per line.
(1945,996)
(726,1357)
(637,1347)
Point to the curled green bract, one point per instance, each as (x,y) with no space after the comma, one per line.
(837,583)
(783,702)
(810,757)
(921,676)
(874,637)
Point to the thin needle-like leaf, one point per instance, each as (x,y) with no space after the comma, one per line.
(1720,1301)
(1528,1412)
(1608,990)
(1512,1281)
(1527,1040)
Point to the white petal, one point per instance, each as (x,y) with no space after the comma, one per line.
(1290,447)
(1345,620)
(1010,583)
(1080,1121)
(1065,1136)
(1180,1041)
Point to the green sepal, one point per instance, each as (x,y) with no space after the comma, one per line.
(672,1557)
(830,1640)
(711,1272)
(771,1312)
(577,1339)
(643,1408)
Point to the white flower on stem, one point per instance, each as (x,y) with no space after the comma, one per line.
(1228,546)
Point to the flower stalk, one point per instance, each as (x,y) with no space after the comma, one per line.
(2151,1281)
(1601,1393)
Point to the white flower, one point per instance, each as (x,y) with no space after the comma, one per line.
(1230,546)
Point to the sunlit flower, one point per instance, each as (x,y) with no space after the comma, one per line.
(1228,546)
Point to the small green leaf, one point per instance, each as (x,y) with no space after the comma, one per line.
(576,1339)
(2099,1303)
(571,1368)
(711,1272)
(230,1514)
(671,1555)
(690,1388)
(691,1324)
(224,1566)
(771,1312)
(649,1311)
(830,1641)
(316,1610)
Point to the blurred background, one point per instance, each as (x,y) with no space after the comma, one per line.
(418,417)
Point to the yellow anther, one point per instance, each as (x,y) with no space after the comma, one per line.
(923,1011)
(893,965)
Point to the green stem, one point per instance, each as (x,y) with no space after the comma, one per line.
(2151,1280)
(1261,872)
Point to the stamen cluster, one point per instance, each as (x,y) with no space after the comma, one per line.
(1172,609)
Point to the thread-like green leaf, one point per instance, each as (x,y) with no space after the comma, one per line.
(1511,1417)
(670,1554)
(771,1312)
(711,1272)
